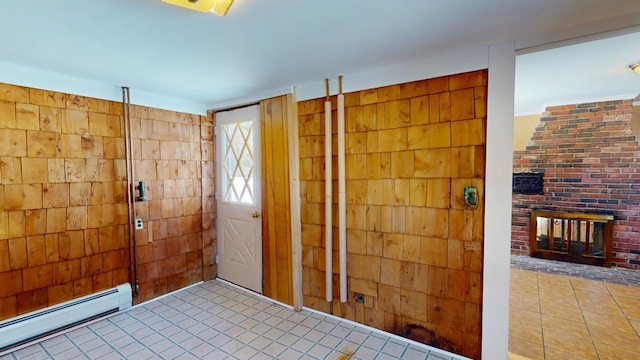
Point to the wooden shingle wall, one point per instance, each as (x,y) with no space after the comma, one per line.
(173,155)
(63,208)
(414,247)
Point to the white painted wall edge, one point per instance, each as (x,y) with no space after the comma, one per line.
(444,64)
(497,202)
(40,79)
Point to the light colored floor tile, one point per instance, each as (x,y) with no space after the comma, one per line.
(302,345)
(621,340)
(161,345)
(24,352)
(603,296)
(574,328)
(261,356)
(59,347)
(355,336)
(624,290)
(337,355)
(232,346)
(631,313)
(555,354)
(314,336)
(374,342)
(110,356)
(319,351)
(528,304)
(70,354)
(613,352)
(512,356)
(413,354)
(526,348)
(346,346)
(526,332)
(571,313)
(588,285)
(274,349)
(581,319)
(615,323)
(602,308)
(291,354)
(131,349)
(394,348)
(202,350)
(525,317)
(581,346)
(436,356)
(238,325)
(186,356)
(564,300)
(273,334)
(287,339)
(246,352)
(330,341)
(383,356)
(627,302)
(172,352)
(144,354)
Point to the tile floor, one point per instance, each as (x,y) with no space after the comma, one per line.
(565,317)
(614,274)
(216,320)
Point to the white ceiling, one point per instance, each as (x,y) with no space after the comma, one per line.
(585,72)
(265,45)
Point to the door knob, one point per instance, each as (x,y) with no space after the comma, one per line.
(255,215)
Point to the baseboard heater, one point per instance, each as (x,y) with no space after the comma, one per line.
(30,326)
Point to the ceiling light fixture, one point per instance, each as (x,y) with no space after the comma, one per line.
(635,67)
(218,7)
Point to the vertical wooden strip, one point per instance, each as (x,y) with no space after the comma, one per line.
(286,224)
(280,172)
(294,201)
(277,224)
(268,232)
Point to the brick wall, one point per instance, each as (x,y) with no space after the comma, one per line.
(63,210)
(414,248)
(589,157)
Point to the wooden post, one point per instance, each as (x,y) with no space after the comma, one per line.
(294,202)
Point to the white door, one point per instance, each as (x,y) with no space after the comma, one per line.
(239,197)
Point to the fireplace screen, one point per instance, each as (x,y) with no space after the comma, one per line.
(582,238)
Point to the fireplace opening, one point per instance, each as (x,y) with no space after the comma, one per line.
(573,237)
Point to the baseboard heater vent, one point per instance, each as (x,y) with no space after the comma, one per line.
(27,327)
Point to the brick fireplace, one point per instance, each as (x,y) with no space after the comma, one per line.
(589,158)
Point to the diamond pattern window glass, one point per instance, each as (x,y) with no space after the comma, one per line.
(237,162)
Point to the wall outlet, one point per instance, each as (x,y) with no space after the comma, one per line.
(139,224)
(358,298)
